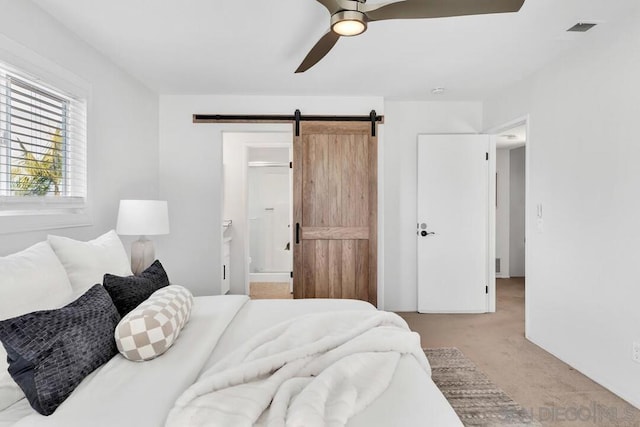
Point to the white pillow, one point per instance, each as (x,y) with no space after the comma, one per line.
(87,262)
(30,280)
(10,392)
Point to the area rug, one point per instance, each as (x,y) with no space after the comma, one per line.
(474,397)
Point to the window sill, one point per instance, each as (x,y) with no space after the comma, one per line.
(14,221)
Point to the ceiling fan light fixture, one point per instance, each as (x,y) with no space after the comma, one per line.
(348,23)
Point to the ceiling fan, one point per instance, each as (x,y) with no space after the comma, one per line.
(350,17)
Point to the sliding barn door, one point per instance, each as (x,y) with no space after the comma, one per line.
(335,211)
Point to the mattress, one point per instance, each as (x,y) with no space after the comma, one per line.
(126,393)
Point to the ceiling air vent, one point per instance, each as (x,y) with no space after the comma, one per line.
(581,27)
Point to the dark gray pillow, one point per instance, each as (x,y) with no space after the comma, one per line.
(129,292)
(50,352)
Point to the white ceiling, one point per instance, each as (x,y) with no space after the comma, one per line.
(512,138)
(254,46)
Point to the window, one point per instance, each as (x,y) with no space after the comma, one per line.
(42,146)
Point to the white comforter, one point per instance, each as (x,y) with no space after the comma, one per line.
(316,370)
(129,394)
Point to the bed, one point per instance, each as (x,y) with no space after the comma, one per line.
(124,393)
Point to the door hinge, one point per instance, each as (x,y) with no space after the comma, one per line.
(290,165)
(486,289)
(291,274)
(487,156)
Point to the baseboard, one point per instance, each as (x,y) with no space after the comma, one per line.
(500,276)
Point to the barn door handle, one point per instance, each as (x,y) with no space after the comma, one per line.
(297,233)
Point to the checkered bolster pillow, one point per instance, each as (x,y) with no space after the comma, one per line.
(152,327)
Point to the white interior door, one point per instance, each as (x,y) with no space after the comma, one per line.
(453,194)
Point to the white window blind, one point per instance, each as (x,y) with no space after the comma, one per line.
(42,145)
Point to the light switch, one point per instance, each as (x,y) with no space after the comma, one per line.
(539,218)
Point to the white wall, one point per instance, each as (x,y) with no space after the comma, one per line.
(235,156)
(270,211)
(503,210)
(404,120)
(191,172)
(516,212)
(196,223)
(582,267)
(122,120)
(278,155)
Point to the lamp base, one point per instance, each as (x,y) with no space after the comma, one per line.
(142,255)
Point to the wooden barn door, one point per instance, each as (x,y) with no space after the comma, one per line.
(335,211)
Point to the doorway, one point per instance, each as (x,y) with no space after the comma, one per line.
(269,209)
(257,213)
(510,219)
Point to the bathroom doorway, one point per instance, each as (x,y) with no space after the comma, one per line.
(257,213)
(269,205)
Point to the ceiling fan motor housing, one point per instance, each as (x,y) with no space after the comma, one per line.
(349,23)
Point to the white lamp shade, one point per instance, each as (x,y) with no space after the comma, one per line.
(143,218)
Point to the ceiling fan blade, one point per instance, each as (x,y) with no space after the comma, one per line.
(416,9)
(317,52)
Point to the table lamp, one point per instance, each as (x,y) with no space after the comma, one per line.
(142,218)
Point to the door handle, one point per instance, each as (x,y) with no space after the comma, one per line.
(425,233)
(297,233)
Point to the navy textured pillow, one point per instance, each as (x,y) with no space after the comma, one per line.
(129,292)
(50,352)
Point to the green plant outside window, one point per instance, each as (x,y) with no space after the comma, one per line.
(39,174)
